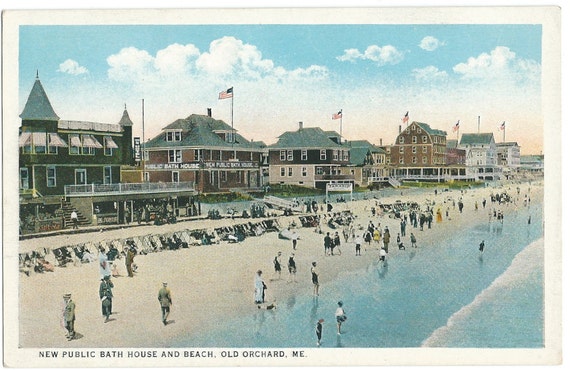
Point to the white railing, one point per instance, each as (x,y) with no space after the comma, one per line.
(127,188)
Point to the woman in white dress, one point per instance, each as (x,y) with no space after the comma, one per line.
(259,286)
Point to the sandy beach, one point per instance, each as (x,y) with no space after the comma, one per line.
(211,283)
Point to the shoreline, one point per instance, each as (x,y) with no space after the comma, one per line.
(205,293)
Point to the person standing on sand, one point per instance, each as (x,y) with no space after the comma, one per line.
(129,261)
(165,299)
(292,266)
(259,286)
(106,296)
(294,238)
(340,316)
(319,331)
(386,238)
(328,243)
(104,267)
(69,316)
(358,242)
(315,278)
(413,241)
(277,265)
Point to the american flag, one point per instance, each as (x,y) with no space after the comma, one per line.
(502,127)
(229,93)
(337,115)
(456,126)
(406,118)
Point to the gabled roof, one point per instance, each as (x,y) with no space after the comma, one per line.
(38,107)
(307,137)
(200,131)
(125,119)
(430,130)
(507,143)
(359,150)
(477,139)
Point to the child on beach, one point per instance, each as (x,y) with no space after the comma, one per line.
(340,316)
(315,278)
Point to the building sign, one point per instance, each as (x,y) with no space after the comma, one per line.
(337,186)
(107,219)
(195,165)
(137,149)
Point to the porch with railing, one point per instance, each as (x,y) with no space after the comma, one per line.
(127,188)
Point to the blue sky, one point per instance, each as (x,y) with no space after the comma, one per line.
(283,74)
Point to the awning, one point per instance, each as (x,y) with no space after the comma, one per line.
(39,138)
(25,139)
(74,140)
(90,142)
(109,143)
(56,140)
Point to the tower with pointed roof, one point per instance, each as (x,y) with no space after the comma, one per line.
(38,114)
(127,146)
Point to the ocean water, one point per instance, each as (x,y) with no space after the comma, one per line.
(441,296)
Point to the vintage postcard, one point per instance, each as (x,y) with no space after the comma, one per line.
(270,187)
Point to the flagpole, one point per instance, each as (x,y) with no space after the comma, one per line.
(143,143)
(233,132)
(341,114)
(504,131)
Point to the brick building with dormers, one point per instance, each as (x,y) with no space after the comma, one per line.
(309,157)
(207,152)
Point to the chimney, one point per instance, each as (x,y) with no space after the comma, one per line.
(300,125)
(209,112)
(399,129)
(380,141)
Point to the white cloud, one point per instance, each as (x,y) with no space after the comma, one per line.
(429,73)
(501,63)
(430,43)
(129,64)
(175,58)
(72,67)
(226,58)
(380,54)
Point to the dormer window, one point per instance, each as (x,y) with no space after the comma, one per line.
(229,137)
(173,136)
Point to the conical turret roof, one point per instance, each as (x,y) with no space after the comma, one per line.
(125,120)
(38,107)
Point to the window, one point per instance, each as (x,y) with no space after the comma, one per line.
(401,150)
(345,155)
(50,177)
(424,159)
(282,155)
(74,144)
(304,171)
(424,139)
(419,130)
(239,175)
(223,176)
(289,155)
(107,175)
(197,154)
(173,136)
(80,176)
(335,155)
(24,178)
(401,160)
(39,142)
(230,137)
(414,150)
(146,177)
(282,170)
(414,139)
(175,176)
(323,154)
(304,154)
(407,130)
(319,170)
(290,171)
(174,156)
(424,149)
(414,159)
(401,140)
(146,155)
